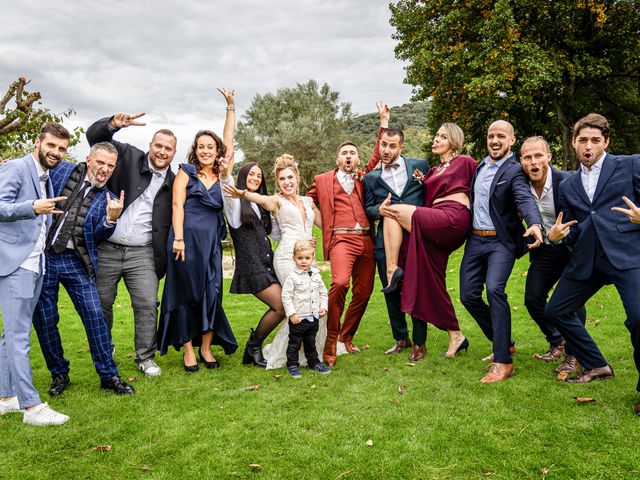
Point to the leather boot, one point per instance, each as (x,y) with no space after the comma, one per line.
(253,351)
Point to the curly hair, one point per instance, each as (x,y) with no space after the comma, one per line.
(247,214)
(283,162)
(221,151)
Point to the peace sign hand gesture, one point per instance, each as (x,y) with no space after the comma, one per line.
(114,206)
(560,230)
(124,120)
(385,113)
(632,212)
(228,96)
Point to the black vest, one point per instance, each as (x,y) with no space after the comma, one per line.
(76,213)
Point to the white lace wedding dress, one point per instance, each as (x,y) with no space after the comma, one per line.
(292,229)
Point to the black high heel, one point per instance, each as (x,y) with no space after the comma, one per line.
(190,368)
(396,278)
(214,364)
(463,346)
(253,352)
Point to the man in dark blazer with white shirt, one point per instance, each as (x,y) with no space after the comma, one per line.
(394,179)
(600,220)
(548,260)
(500,196)
(137,250)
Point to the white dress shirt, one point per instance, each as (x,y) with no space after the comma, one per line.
(34,261)
(590,177)
(396,178)
(346,180)
(135,225)
(545,204)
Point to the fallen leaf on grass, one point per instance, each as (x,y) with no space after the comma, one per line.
(313,387)
(145,468)
(394,400)
(369,443)
(411,364)
(562,377)
(131,379)
(278,375)
(584,399)
(597,323)
(103,448)
(401,389)
(255,466)
(365,346)
(216,389)
(252,388)
(385,369)
(545,471)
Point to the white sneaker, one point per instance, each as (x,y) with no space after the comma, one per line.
(150,368)
(9,405)
(42,415)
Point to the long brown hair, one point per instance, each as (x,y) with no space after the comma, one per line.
(221,151)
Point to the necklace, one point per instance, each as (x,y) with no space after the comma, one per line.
(443,166)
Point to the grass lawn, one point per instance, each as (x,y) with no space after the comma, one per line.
(352,424)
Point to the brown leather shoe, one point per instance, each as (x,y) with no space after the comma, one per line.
(417,353)
(350,347)
(329,354)
(601,373)
(498,372)
(399,346)
(570,365)
(489,358)
(637,409)
(555,352)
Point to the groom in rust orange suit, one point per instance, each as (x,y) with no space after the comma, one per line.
(347,243)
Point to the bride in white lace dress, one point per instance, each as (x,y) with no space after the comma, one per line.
(295,216)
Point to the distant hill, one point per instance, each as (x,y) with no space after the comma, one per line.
(410,117)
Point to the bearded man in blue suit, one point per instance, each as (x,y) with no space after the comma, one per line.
(89,216)
(600,221)
(26,205)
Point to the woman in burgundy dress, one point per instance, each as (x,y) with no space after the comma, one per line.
(436,230)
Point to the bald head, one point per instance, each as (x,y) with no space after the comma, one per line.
(500,138)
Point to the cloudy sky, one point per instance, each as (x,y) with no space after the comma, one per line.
(166,58)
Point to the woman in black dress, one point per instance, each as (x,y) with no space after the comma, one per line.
(250,226)
(191,313)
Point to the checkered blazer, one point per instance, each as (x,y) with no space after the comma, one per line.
(95,230)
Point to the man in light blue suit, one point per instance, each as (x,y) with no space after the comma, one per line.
(26,205)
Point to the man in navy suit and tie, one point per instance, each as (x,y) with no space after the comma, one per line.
(600,220)
(499,195)
(89,216)
(26,205)
(548,260)
(392,184)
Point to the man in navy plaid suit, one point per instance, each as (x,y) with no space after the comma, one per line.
(89,216)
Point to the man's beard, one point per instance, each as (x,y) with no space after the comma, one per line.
(42,158)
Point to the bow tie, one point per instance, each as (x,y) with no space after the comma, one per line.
(156,173)
(390,166)
(44,177)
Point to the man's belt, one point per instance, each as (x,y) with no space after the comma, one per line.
(484,233)
(351,231)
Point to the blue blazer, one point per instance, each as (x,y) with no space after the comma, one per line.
(95,230)
(620,176)
(511,200)
(19,225)
(376,191)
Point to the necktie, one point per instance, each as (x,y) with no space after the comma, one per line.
(390,166)
(310,272)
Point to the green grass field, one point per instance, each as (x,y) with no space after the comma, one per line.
(352,424)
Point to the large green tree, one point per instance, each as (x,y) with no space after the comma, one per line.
(307,121)
(22,119)
(539,64)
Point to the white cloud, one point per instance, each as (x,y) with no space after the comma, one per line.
(166,58)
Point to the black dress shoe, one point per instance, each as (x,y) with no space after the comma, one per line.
(214,364)
(600,373)
(396,278)
(117,386)
(59,385)
(190,368)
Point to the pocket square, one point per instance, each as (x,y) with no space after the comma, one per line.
(500,183)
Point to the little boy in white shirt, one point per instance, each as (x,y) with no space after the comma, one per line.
(305,300)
